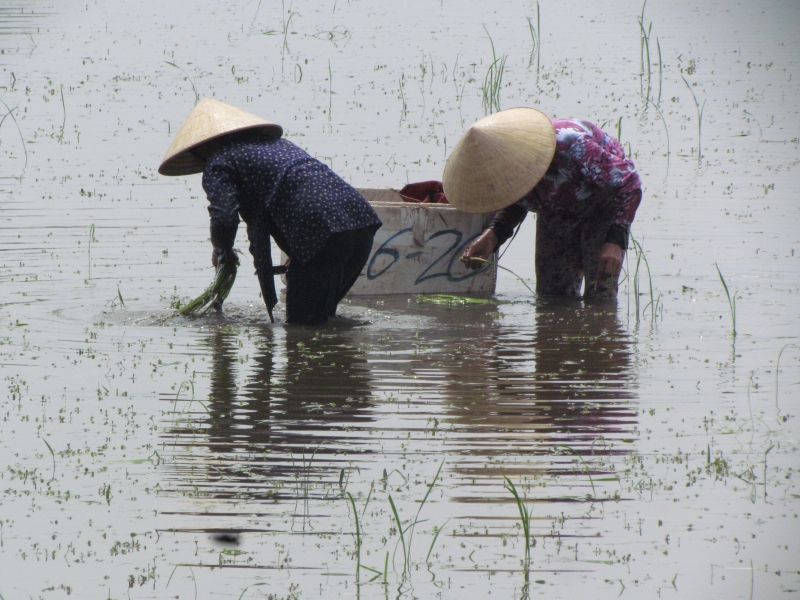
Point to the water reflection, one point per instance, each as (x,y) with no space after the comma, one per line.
(520,390)
(300,396)
(567,375)
(523,390)
(558,395)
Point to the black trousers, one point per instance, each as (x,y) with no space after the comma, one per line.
(315,289)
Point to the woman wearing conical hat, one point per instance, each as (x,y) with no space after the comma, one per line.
(323,224)
(577,179)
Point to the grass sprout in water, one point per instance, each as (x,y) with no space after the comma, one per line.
(778,370)
(536,40)
(494,80)
(525,519)
(489,262)
(189,79)
(10,113)
(91,238)
(216,293)
(700,110)
(410,527)
(655,305)
(731,300)
(358,536)
(452,299)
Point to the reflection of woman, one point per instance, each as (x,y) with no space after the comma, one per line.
(322,223)
(322,387)
(573,175)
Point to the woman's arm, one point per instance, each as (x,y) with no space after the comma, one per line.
(500,229)
(223,208)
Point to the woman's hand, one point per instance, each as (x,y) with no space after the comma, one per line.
(611,257)
(217,257)
(482,247)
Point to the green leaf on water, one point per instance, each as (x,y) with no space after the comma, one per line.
(452,299)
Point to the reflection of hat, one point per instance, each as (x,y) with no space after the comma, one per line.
(499,159)
(209,119)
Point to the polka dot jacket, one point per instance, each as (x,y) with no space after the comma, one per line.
(277,187)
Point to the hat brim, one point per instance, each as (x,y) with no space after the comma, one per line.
(499,159)
(186,162)
(210,119)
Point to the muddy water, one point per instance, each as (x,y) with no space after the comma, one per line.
(147,456)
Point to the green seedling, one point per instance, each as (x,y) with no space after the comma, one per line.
(493,81)
(330,90)
(436,532)
(189,384)
(287,19)
(402,84)
(536,40)
(655,305)
(400,532)
(644,52)
(189,79)
(193,579)
(585,466)
(216,293)
(452,299)
(700,110)
(91,238)
(778,370)
(64,121)
(53,454)
(489,262)
(765,470)
(358,535)
(731,300)
(660,71)
(421,505)
(10,113)
(412,526)
(664,121)
(525,519)
(252,585)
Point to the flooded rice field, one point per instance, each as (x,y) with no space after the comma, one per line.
(515,447)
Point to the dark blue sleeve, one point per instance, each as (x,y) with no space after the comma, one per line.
(223,206)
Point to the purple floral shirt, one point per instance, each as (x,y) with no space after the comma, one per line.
(589,167)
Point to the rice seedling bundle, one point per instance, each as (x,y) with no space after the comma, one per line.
(216,293)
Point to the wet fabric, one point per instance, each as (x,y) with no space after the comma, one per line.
(280,191)
(568,252)
(424,192)
(588,197)
(314,290)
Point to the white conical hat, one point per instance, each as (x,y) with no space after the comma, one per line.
(499,159)
(209,119)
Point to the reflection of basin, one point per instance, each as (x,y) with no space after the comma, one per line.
(417,249)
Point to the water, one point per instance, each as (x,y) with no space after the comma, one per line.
(657,455)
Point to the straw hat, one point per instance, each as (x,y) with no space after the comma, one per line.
(499,159)
(208,120)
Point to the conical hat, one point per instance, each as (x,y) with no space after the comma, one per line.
(499,159)
(209,119)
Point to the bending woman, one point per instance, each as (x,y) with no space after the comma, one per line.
(572,174)
(322,223)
